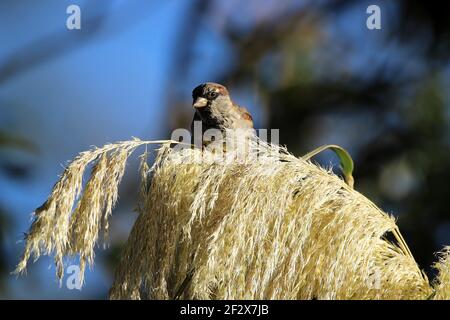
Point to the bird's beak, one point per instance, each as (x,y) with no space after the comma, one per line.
(200,103)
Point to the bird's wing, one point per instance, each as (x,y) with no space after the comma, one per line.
(246,115)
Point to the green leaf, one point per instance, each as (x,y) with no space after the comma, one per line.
(345,159)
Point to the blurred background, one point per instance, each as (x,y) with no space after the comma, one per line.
(309,68)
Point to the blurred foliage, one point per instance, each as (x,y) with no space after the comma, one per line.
(10,141)
(3,255)
(10,167)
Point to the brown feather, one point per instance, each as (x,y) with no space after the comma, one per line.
(245,114)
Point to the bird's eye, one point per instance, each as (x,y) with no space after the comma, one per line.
(212,95)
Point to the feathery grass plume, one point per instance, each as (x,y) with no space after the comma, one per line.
(68,223)
(442,283)
(211,227)
(278,227)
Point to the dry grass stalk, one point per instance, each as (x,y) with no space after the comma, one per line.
(276,228)
(68,223)
(442,283)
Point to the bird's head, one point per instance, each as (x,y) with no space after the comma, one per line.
(209,94)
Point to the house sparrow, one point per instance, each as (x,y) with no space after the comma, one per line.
(215,109)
